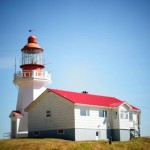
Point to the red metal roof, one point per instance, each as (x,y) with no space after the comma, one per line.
(32,44)
(16,114)
(90,99)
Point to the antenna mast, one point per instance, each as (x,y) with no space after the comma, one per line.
(15,65)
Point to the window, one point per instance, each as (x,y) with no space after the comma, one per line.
(116,114)
(105,113)
(131,116)
(36,133)
(60,131)
(124,115)
(48,113)
(84,112)
(138,119)
(102,113)
(32,56)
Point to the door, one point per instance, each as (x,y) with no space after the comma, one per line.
(98,135)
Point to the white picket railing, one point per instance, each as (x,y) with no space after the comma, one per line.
(32,73)
(7,135)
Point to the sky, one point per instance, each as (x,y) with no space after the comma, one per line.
(101,46)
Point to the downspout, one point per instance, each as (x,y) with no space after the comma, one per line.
(110,123)
(139,130)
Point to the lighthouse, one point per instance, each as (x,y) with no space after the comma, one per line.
(32,81)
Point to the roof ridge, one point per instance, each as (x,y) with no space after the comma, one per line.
(82,93)
(88,99)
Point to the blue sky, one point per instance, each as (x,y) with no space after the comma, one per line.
(102,46)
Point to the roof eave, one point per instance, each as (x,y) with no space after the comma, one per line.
(88,105)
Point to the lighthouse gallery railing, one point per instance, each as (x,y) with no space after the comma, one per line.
(32,73)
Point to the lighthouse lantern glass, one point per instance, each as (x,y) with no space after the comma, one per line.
(32,56)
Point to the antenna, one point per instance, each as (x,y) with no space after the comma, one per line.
(15,65)
(15,73)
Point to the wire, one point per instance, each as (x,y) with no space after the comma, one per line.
(142,107)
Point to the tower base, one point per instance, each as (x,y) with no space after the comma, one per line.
(16,116)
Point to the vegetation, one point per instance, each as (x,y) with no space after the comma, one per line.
(57,144)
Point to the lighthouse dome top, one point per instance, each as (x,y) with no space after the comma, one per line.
(32,44)
(32,39)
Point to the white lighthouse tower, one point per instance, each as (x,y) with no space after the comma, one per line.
(31,81)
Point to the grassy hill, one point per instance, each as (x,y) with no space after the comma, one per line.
(57,144)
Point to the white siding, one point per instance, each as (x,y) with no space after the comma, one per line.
(66,115)
(134,123)
(124,123)
(93,121)
(90,134)
(114,119)
(62,113)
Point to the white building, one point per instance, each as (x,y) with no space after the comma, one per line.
(81,116)
(31,82)
(42,112)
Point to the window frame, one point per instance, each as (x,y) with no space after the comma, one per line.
(130,116)
(84,112)
(36,133)
(48,113)
(60,131)
(124,114)
(102,113)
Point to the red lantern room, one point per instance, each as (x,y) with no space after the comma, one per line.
(32,56)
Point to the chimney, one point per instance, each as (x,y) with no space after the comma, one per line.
(85,92)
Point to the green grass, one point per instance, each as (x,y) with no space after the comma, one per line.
(57,144)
